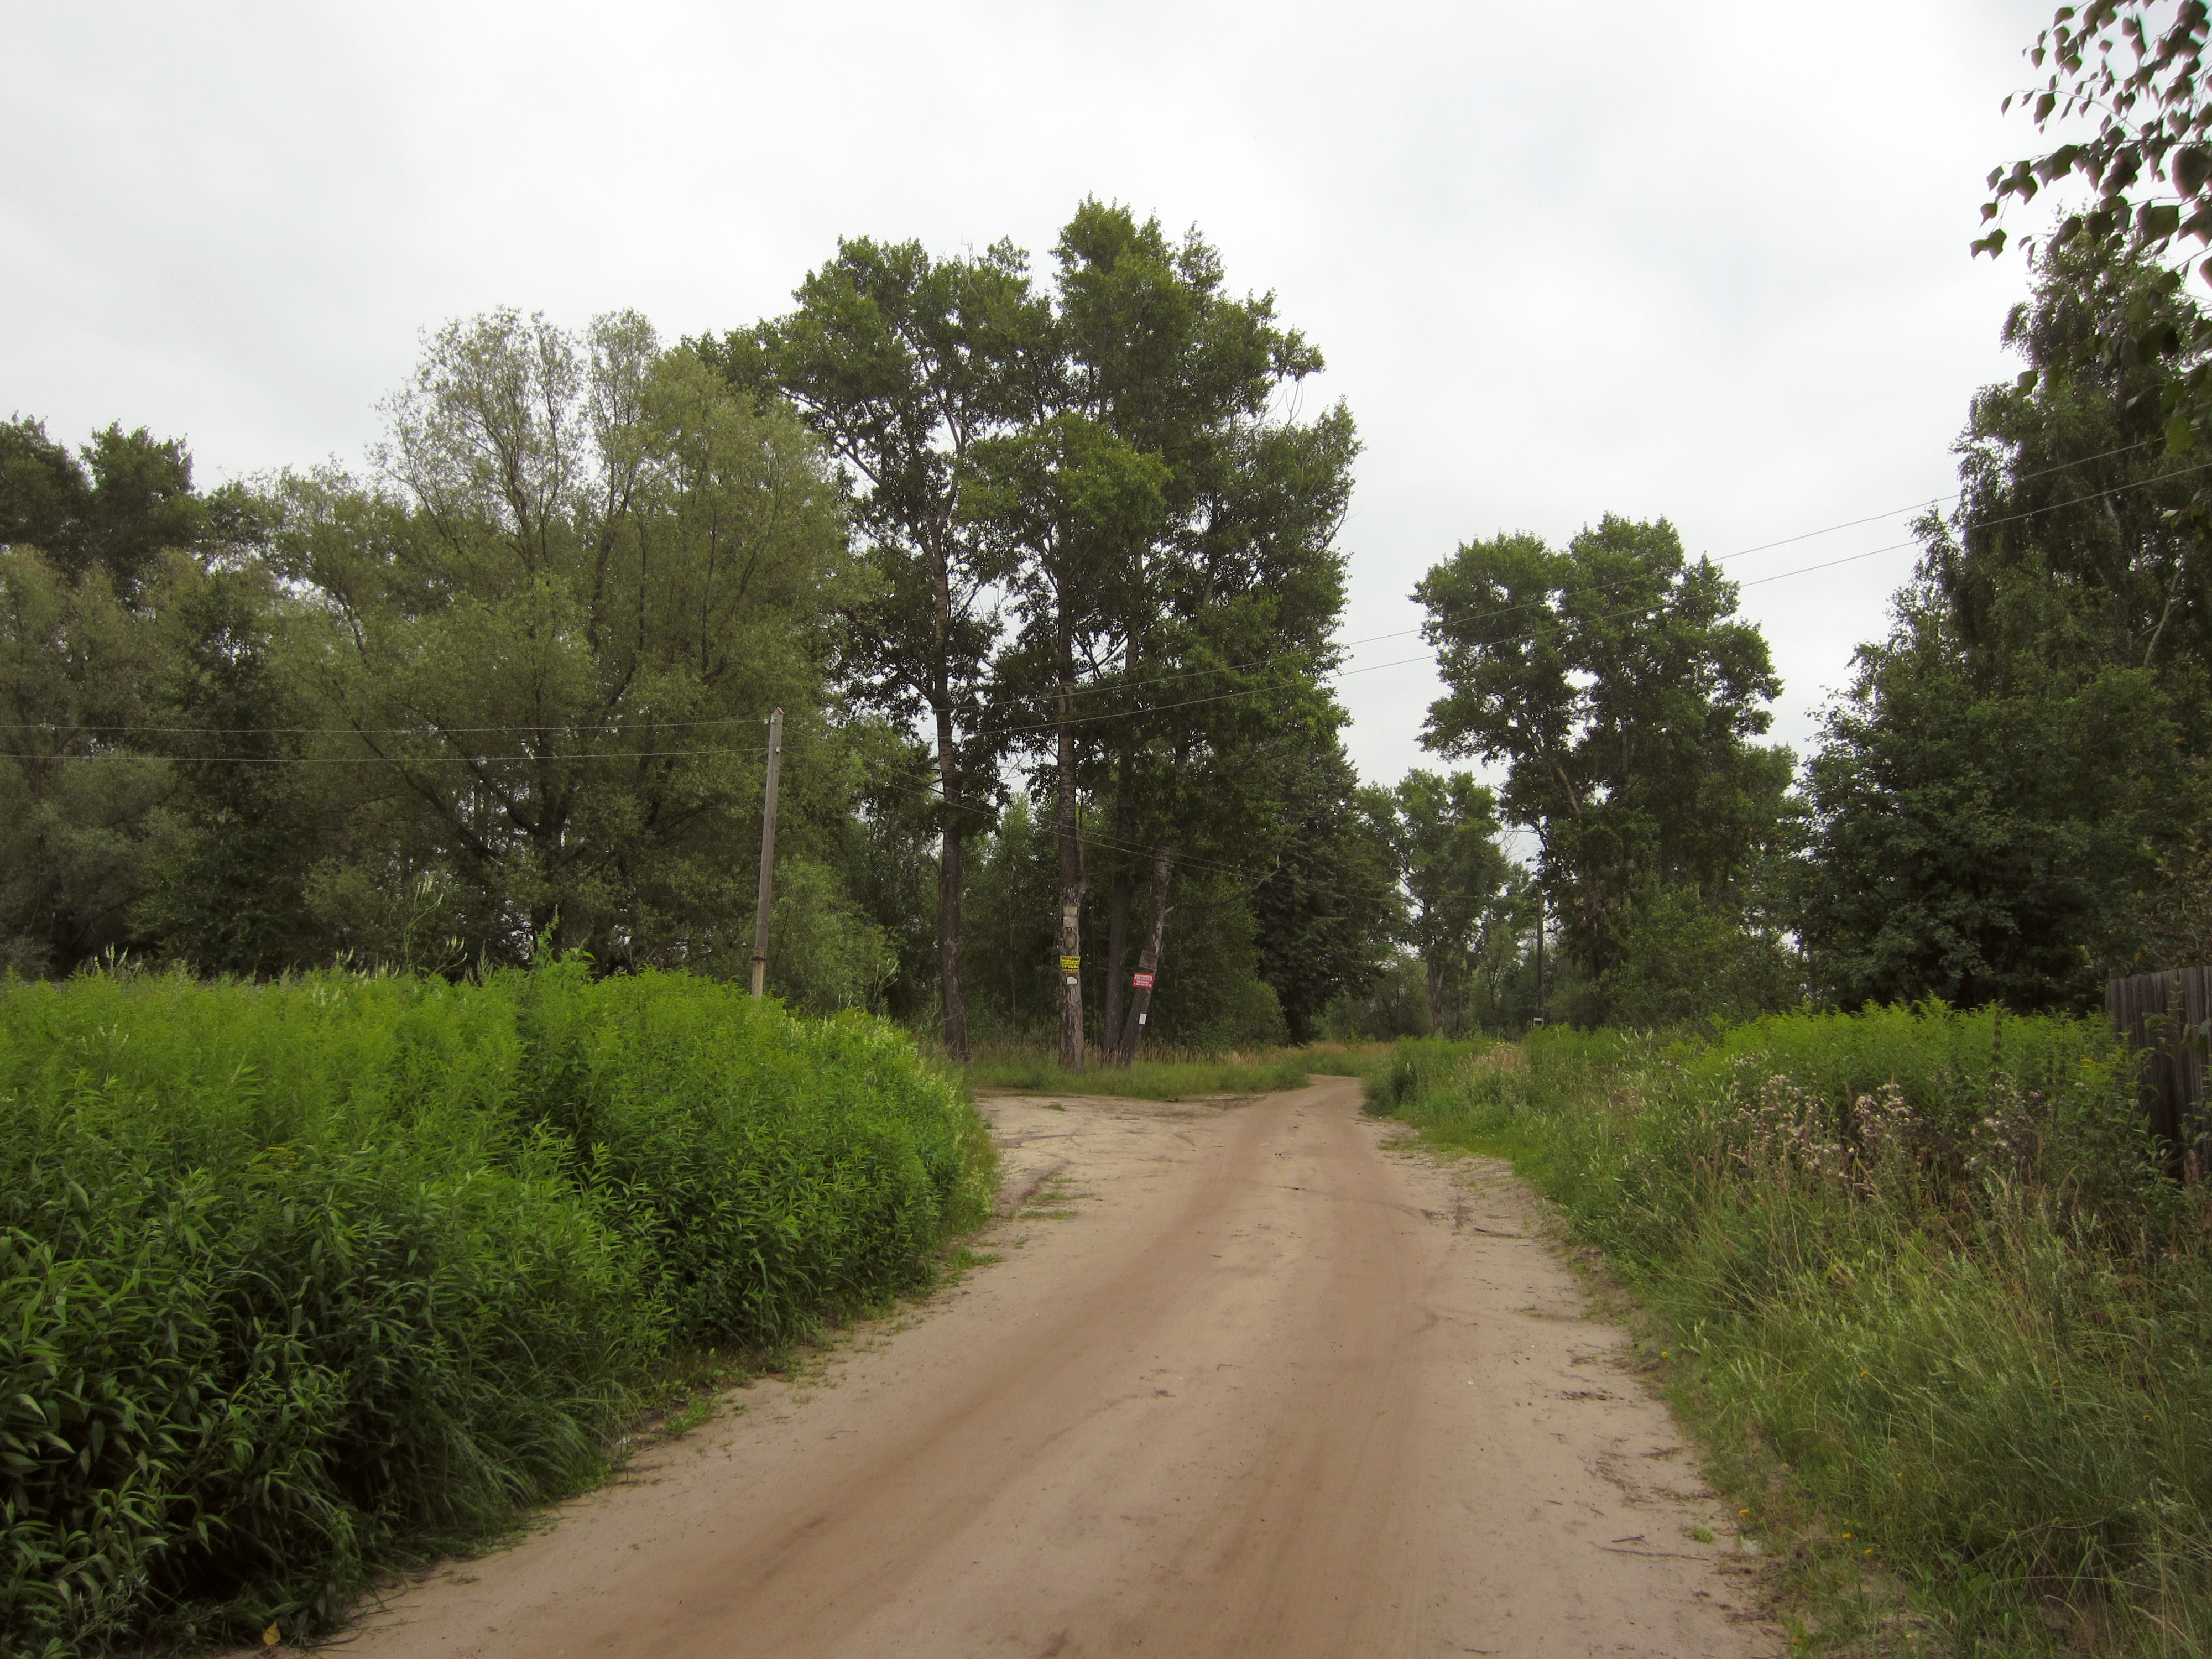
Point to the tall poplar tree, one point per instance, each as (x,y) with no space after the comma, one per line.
(1177,578)
(1455,871)
(1616,681)
(901,363)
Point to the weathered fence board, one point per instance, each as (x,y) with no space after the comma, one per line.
(2160,1014)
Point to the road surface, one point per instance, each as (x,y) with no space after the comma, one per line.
(1246,1381)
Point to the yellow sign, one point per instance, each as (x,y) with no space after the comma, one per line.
(1069,964)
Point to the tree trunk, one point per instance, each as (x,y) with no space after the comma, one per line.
(1071,878)
(950,878)
(1117,951)
(1117,916)
(1436,970)
(1148,959)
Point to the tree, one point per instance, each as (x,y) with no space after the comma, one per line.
(901,363)
(1072,498)
(544,641)
(2073,538)
(1170,528)
(1455,869)
(1501,965)
(227,892)
(1330,906)
(138,664)
(1986,839)
(1622,692)
(119,508)
(2135,73)
(76,802)
(2004,805)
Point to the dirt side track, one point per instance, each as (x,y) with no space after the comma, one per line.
(1255,1385)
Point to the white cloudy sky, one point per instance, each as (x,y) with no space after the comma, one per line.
(1703,260)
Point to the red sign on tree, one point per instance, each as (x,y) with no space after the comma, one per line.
(1142,982)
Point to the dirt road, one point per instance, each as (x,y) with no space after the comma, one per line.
(1245,1382)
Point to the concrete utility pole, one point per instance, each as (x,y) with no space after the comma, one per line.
(768,855)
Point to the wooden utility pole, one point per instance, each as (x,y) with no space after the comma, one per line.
(767,855)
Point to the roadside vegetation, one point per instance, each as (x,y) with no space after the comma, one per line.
(307,1278)
(1172,1075)
(332,1228)
(1921,1280)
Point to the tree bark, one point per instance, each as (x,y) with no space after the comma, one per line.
(1148,959)
(1117,917)
(950,878)
(1071,877)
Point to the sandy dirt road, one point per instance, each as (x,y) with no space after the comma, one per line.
(1246,1381)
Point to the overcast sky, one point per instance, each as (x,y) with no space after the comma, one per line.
(1707,261)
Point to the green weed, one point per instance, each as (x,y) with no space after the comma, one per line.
(301,1280)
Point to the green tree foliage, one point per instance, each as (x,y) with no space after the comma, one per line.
(1173,538)
(76,801)
(505,692)
(1394,1004)
(2005,804)
(94,548)
(2073,543)
(1616,682)
(1985,842)
(902,364)
(127,499)
(2126,83)
(1687,959)
(546,638)
(228,886)
(1330,906)
(1446,833)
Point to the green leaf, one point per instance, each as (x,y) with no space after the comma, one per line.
(2192,168)
(2179,435)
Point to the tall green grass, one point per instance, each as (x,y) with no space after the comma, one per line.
(1926,1263)
(301,1280)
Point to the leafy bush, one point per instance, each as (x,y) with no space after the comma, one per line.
(1926,1259)
(298,1278)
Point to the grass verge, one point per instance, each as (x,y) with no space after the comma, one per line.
(1923,1288)
(1038,1072)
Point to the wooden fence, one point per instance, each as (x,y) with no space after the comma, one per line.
(2164,1016)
